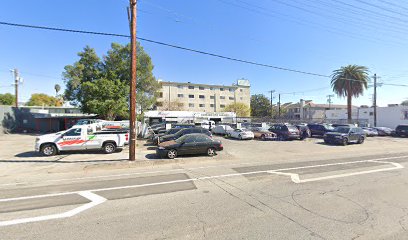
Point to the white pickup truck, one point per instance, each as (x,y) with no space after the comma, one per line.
(80,137)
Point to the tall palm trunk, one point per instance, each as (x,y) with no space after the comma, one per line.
(349,99)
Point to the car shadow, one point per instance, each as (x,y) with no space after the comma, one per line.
(152,156)
(334,145)
(32,154)
(63,161)
(152,148)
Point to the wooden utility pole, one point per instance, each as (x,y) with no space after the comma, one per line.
(375,100)
(272,91)
(132,139)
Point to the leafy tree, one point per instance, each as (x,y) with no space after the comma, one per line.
(7,99)
(350,81)
(40,99)
(241,109)
(260,105)
(404,103)
(90,71)
(106,98)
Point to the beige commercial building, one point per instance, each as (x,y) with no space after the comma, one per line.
(177,96)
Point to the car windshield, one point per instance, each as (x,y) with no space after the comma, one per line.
(329,127)
(342,129)
(172,131)
(292,128)
(182,139)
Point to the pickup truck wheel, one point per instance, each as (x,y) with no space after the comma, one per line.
(172,153)
(263,137)
(49,150)
(109,148)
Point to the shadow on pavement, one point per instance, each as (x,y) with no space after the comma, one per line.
(62,161)
(152,156)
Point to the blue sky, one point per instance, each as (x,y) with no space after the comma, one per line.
(315,36)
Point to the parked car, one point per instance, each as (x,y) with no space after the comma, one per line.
(241,133)
(182,125)
(285,131)
(221,129)
(80,137)
(384,131)
(317,129)
(334,125)
(401,131)
(345,135)
(370,132)
(183,132)
(263,133)
(155,137)
(304,131)
(189,144)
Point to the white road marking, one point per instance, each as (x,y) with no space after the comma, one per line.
(95,200)
(296,179)
(186,169)
(202,178)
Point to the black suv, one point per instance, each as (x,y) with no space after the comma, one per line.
(345,135)
(285,132)
(183,132)
(402,131)
(319,129)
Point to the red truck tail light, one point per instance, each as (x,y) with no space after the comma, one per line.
(127,137)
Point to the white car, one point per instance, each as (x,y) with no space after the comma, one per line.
(241,133)
(221,129)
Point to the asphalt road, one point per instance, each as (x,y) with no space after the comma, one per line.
(350,198)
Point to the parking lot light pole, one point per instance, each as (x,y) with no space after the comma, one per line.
(132,125)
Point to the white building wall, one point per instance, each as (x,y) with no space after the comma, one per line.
(392,116)
(386,116)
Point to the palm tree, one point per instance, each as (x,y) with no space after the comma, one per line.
(350,81)
(57,88)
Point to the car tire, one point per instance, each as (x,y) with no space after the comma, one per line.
(344,142)
(360,140)
(109,148)
(172,153)
(49,150)
(211,152)
(240,137)
(263,137)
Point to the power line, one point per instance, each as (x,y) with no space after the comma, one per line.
(164,44)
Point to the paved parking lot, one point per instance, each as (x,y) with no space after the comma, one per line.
(252,190)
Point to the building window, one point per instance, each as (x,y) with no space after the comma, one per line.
(221,89)
(211,88)
(212,97)
(202,105)
(231,98)
(222,106)
(191,104)
(371,113)
(180,86)
(222,97)
(180,95)
(190,87)
(159,104)
(160,94)
(201,96)
(191,96)
(201,88)
(211,105)
(231,90)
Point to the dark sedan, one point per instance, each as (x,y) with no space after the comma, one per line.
(319,129)
(183,132)
(345,135)
(189,144)
(285,132)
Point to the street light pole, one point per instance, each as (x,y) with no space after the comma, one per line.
(133,44)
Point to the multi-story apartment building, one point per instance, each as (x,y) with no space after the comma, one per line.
(202,97)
